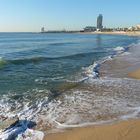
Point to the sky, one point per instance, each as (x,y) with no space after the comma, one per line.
(31,15)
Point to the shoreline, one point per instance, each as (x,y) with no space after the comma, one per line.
(131,33)
(89,131)
(123,129)
(126,130)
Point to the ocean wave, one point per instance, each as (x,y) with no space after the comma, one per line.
(90,72)
(120,49)
(124,49)
(2,62)
(26,60)
(39,59)
(93,71)
(99,101)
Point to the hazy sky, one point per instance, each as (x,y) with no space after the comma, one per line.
(31,15)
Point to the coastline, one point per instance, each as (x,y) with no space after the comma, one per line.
(131,33)
(124,130)
(114,65)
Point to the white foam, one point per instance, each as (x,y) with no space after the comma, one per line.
(43,80)
(76,107)
(121,49)
(62,126)
(30,134)
(135,114)
(19,130)
(92,71)
(109,57)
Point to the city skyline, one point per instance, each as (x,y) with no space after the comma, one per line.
(30,16)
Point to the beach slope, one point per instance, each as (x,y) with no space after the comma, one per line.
(125,130)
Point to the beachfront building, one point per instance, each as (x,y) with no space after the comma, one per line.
(138,27)
(134,28)
(99,22)
(89,29)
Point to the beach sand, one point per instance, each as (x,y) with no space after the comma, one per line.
(125,130)
(135,74)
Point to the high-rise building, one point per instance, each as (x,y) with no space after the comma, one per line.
(99,22)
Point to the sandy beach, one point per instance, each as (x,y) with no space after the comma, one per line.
(135,74)
(124,130)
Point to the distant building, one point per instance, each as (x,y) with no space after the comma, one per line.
(134,28)
(89,29)
(131,28)
(138,26)
(99,22)
(42,29)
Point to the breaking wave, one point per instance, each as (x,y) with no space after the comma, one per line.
(93,70)
(94,102)
(39,59)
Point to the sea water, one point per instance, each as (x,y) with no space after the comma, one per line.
(54,80)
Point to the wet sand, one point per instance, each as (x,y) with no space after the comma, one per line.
(125,130)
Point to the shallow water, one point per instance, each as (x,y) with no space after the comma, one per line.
(55,79)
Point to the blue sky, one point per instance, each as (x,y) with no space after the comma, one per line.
(31,15)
